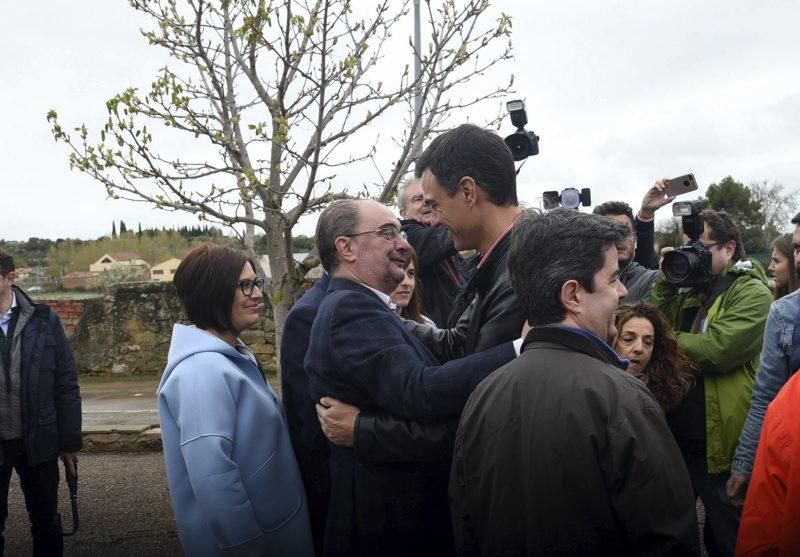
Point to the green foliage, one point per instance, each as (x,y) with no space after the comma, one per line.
(669,234)
(154,246)
(31,253)
(301,243)
(737,200)
(118,274)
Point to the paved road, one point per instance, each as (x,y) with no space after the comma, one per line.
(124,509)
(122,403)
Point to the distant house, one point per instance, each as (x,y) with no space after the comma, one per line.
(24,273)
(163,272)
(78,280)
(113,258)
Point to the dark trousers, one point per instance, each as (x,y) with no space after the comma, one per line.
(722,517)
(40,488)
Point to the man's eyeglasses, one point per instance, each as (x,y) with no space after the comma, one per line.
(247,285)
(389,232)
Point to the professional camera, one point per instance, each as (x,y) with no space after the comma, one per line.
(569,198)
(523,144)
(688,265)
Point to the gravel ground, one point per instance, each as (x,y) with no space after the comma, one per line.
(124,509)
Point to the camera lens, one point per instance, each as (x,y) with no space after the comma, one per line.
(520,146)
(678,266)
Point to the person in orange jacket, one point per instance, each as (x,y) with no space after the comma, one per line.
(769,524)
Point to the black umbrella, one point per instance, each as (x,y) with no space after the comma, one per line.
(72,483)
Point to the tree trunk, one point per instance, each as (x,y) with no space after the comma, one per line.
(286,286)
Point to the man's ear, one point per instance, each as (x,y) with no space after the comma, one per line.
(730,248)
(572,294)
(11,276)
(468,189)
(346,249)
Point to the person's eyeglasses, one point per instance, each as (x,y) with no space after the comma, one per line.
(247,285)
(389,232)
(709,246)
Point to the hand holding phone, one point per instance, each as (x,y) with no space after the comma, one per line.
(680,185)
(663,192)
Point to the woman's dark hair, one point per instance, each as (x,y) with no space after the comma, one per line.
(206,282)
(413,310)
(670,373)
(784,245)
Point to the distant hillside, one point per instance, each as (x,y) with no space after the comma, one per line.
(63,256)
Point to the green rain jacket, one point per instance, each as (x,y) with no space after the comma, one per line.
(726,350)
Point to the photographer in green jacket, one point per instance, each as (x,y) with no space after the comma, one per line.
(717,302)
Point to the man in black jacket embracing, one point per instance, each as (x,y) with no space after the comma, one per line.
(40,408)
(561,451)
(470,184)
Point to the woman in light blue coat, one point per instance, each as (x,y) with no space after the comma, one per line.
(233,477)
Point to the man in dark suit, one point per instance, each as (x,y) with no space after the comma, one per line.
(361,353)
(310,446)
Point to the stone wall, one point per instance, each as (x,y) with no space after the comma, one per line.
(128,331)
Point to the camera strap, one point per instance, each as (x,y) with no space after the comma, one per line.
(719,287)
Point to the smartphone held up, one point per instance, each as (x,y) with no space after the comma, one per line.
(680,185)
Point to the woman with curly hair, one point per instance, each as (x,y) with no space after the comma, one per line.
(782,266)
(645,338)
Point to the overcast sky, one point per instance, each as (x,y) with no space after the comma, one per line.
(620,92)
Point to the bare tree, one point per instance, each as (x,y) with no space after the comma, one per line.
(669,233)
(280,96)
(778,205)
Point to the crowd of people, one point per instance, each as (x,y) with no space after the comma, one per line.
(554,394)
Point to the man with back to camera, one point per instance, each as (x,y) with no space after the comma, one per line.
(361,353)
(780,359)
(310,446)
(560,451)
(470,184)
(439,262)
(720,325)
(40,408)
